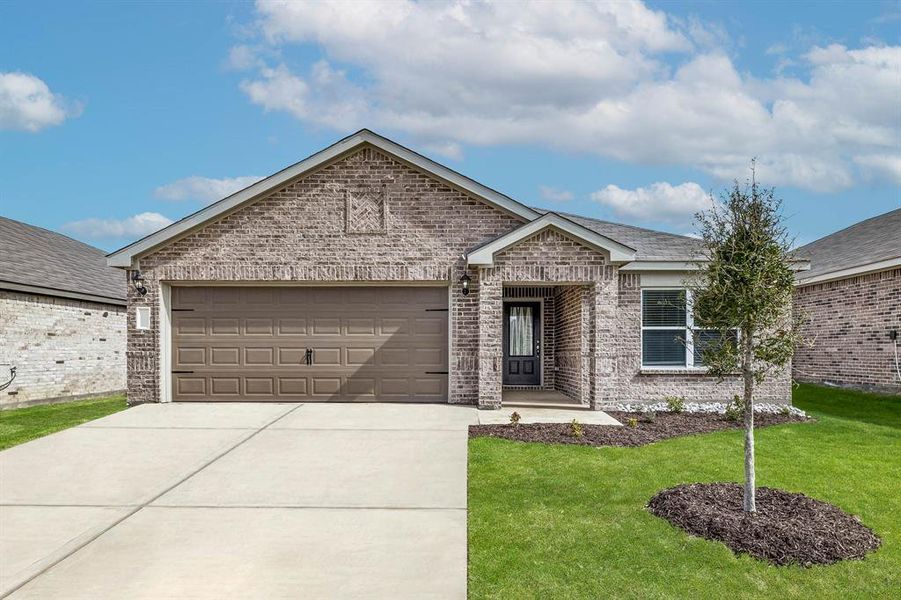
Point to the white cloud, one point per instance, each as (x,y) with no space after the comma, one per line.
(27,104)
(659,201)
(552,194)
(107,229)
(882,166)
(204,189)
(591,77)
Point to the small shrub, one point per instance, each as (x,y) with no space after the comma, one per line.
(632,422)
(648,416)
(735,410)
(575,429)
(675,404)
(514,418)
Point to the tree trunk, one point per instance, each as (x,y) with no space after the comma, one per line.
(750,504)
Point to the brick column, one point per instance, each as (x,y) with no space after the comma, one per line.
(490,335)
(605,300)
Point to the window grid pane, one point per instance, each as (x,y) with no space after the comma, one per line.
(704,338)
(663,347)
(521,331)
(663,308)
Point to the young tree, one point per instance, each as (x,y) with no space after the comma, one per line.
(744,293)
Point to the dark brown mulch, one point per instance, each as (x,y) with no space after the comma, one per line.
(788,528)
(665,425)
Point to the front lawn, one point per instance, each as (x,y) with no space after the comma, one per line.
(553,521)
(20,425)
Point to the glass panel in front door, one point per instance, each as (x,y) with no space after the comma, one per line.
(521,334)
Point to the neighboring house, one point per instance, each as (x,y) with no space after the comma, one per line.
(369,272)
(62,318)
(851,298)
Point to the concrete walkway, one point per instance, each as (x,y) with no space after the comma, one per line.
(240,501)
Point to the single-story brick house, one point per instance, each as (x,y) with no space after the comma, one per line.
(851,301)
(368,272)
(62,318)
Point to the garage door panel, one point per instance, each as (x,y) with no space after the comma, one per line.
(187,356)
(222,326)
(326,386)
(225,386)
(229,356)
(182,325)
(369,343)
(291,326)
(259,357)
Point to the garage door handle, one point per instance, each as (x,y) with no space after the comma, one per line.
(308,356)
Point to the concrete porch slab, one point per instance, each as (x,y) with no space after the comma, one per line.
(34,537)
(334,468)
(380,416)
(204,415)
(546,415)
(96,466)
(267,553)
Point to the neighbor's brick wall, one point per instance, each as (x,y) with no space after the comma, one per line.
(847,327)
(298,233)
(635,386)
(62,348)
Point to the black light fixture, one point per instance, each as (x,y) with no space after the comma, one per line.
(465,282)
(138,280)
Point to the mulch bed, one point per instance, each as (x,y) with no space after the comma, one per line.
(664,426)
(788,528)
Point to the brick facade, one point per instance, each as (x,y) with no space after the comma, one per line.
(634,384)
(299,233)
(369,218)
(62,349)
(847,331)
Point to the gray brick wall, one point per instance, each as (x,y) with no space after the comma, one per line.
(62,348)
(300,233)
(569,340)
(847,331)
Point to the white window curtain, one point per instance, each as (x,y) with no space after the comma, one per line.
(521,331)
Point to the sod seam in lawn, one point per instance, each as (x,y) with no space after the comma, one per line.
(553,521)
(20,425)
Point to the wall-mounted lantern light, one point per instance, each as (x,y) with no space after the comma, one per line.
(138,280)
(464,281)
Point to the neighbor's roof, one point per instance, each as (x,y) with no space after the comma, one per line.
(870,245)
(650,246)
(39,261)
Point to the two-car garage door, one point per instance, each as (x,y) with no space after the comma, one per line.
(309,343)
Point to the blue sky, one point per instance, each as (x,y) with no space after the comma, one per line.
(115,118)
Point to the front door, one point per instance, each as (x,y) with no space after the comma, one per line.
(522,343)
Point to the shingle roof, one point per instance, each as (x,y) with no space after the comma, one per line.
(861,244)
(41,261)
(648,244)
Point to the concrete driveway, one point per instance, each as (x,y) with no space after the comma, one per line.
(240,500)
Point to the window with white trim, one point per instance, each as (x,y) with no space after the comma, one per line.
(668,336)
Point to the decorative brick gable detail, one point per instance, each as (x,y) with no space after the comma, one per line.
(847,331)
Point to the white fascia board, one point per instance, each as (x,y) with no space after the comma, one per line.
(681,265)
(484,256)
(661,265)
(125,256)
(882,265)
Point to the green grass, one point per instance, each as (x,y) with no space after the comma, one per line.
(570,522)
(23,424)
